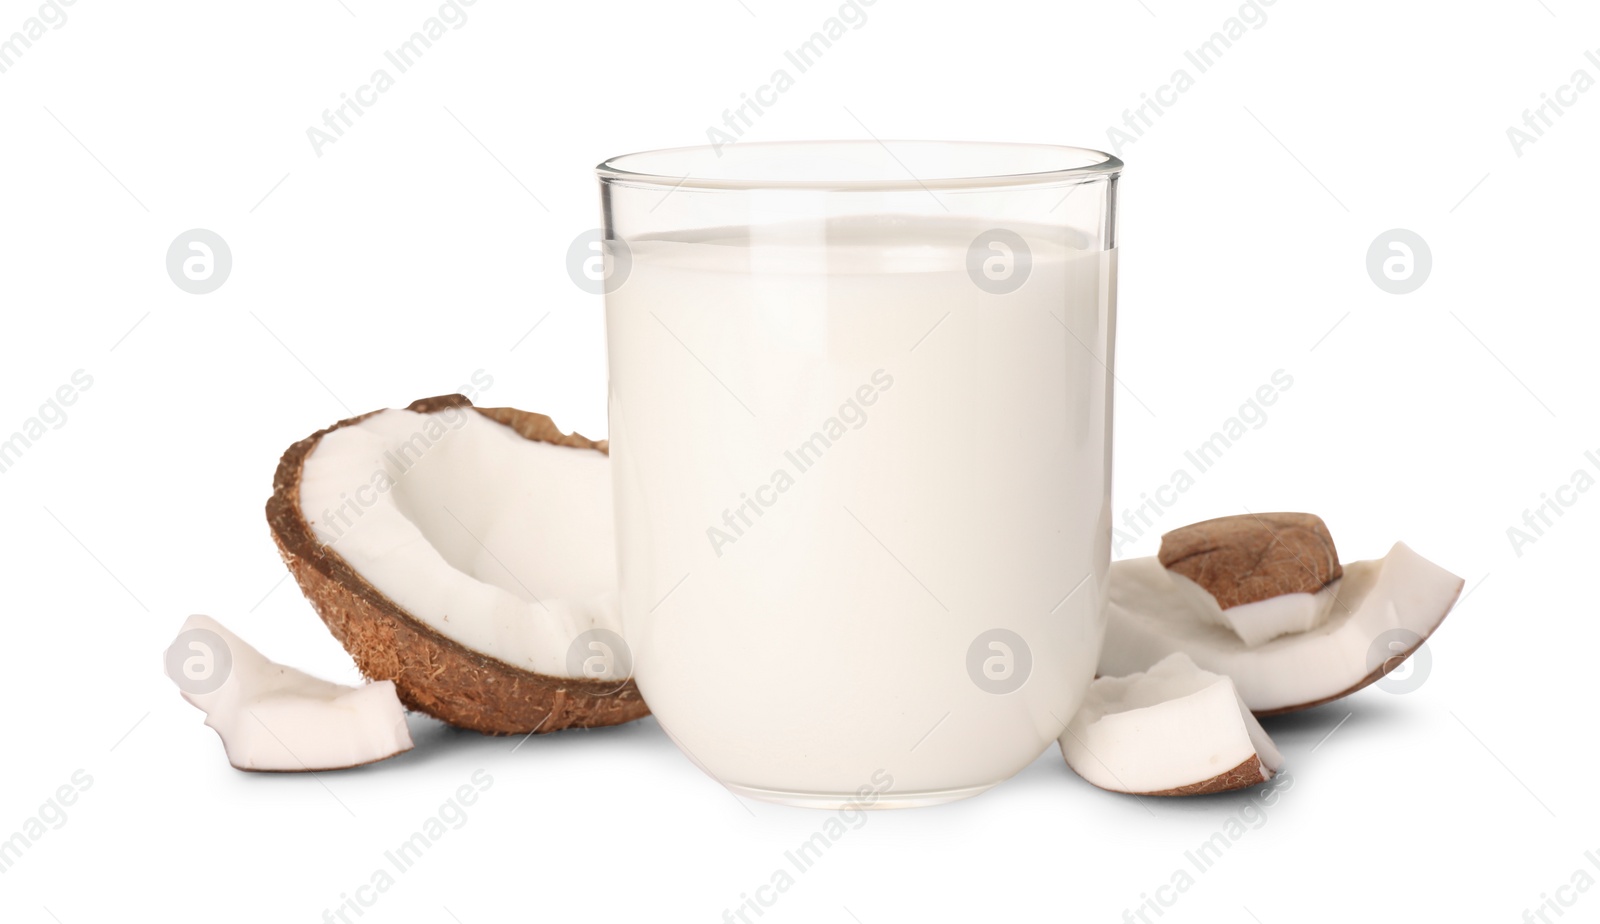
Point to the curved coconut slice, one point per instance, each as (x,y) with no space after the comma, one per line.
(275,718)
(1153,613)
(1174,730)
(467,555)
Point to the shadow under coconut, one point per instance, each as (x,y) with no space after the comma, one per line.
(1296,733)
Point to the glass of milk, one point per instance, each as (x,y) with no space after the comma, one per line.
(860,400)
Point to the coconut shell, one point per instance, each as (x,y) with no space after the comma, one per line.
(1243,776)
(1253,556)
(432,673)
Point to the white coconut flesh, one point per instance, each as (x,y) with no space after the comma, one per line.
(273,717)
(1254,623)
(1173,727)
(500,543)
(1152,613)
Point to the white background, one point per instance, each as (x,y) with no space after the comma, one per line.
(427,242)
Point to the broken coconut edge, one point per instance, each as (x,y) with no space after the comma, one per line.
(432,673)
(1159,724)
(362,725)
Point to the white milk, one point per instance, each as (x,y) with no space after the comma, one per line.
(835,468)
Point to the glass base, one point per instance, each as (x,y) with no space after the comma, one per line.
(850,800)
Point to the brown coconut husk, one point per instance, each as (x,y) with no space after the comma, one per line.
(1252,556)
(1243,776)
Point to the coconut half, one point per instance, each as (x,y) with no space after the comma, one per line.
(1174,730)
(466,554)
(1153,613)
(275,718)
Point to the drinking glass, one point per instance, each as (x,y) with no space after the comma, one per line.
(860,399)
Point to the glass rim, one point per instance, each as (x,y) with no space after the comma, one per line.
(645,168)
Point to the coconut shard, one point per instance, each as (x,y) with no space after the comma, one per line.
(274,718)
(492,609)
(1173,730)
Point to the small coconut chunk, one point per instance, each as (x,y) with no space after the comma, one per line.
(273,717)
(1174,730)
(1253,556)
(1152,613)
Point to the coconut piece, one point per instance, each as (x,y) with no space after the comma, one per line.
(1259,575)
(1174,730)
(1152,613)
(272,717)
(467,555)
(1253,556)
